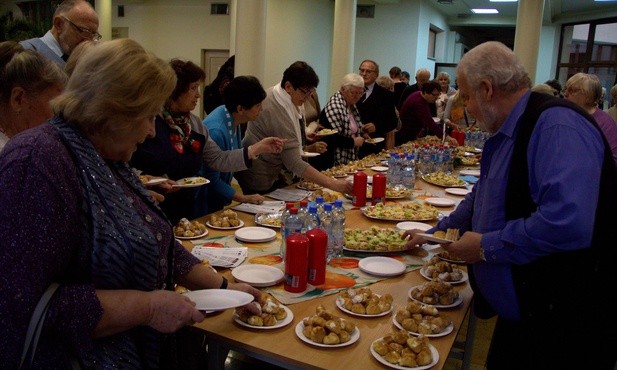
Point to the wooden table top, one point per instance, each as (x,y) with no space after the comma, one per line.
(281,346)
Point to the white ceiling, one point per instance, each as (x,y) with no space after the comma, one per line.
(555,11)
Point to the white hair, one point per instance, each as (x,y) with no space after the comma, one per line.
(496,62)
(351,80)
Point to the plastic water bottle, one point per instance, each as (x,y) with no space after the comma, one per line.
(393,177)
(325,223)
(338,229)
(284,215)
(303,210)
(293,224)
(409,176)
(448,158)
(319,203)
(312,220)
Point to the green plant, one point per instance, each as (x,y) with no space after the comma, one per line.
(18,29)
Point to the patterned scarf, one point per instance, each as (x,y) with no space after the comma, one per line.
(180,124)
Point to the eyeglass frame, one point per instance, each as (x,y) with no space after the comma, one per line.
(305,93)
(94,36)
(571,90)
(364,70)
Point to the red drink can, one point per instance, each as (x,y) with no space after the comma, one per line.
(359,189)
(379,188)
(318,245)
(296,263)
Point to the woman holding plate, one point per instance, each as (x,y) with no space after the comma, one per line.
(182,144)
(341,114)
(100,241)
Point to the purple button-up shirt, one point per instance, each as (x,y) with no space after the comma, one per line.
(565,156)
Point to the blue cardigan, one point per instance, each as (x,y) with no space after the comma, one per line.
(219,192)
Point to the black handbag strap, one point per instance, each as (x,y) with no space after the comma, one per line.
(36,325)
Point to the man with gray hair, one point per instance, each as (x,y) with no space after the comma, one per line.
(538,227)
(423,75)
(74,21)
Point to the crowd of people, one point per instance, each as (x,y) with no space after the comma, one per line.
(80,120)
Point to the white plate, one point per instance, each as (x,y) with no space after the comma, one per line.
(189,182)
(155,181)
(375,140)
(410,225)
(191,237)
(219,299)
(458,191)
(225,228)
(433,238)
(381,266)
(383,360)
(340,306)
(310,154)
(379,168)
(441,257)
(447,330)
(326,132)
(279,324)
(263,218)
(257,275)
(355,335)
(440,202)
(255,234)
(475,173)
(456,302)
(463,279)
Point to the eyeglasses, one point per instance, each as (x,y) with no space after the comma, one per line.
(571,90)
(362,70)
(306,92)
(357,92)
(85,33)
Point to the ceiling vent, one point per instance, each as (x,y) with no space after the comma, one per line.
(365,11)
(219,9)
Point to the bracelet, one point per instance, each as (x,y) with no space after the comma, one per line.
(224,283)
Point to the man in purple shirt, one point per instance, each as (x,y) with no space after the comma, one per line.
(536,227)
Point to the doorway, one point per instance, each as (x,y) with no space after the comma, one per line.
(211,62)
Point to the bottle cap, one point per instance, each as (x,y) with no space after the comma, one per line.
(303,203)
(327,207)
(312,209)
(293,210)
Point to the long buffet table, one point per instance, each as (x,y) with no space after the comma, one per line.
(282,347)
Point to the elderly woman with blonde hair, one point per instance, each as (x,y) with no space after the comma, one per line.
(445,92)
(29,82)
(341,114)
(585,90)
(102,248)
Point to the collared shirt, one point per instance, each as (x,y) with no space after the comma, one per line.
(368,90)
(53,44)
(565,157)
